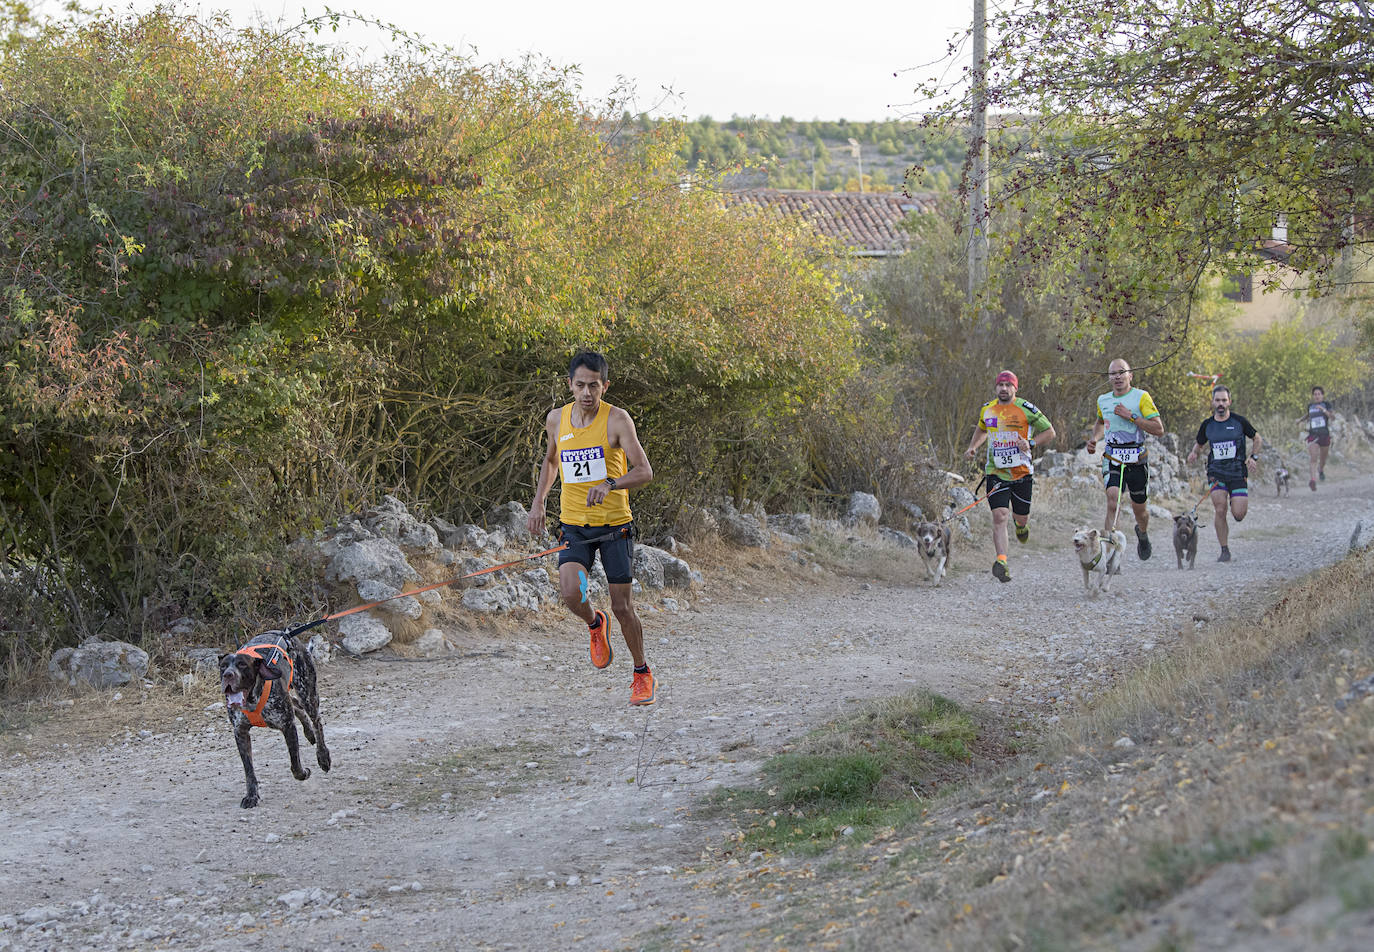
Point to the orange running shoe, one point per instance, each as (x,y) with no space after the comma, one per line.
(601,642)
(642,691)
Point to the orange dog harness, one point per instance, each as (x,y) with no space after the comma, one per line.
(271,656)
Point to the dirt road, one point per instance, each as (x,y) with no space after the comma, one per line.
(508,798)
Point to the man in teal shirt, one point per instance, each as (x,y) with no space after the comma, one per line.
(1126,414)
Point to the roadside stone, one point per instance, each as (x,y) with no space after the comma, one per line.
(363,634)
(795,524)
(391,520)
(99,664)
(432,642)
(373,590)
(743,530)
(372,559)
(900,539)
(202,660)
(511,519)
(321,649)
(864,510)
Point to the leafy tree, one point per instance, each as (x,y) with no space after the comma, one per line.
(1157,140)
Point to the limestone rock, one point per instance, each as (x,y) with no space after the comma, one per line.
(864,510)
(362,633)
(98,664)
(510,519)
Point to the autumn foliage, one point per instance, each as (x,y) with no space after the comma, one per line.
(251,284)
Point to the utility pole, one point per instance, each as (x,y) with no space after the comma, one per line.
(978,144)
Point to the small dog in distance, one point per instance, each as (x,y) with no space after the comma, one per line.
(1281,480)
(1185,539)
(932,541)
(1099,557)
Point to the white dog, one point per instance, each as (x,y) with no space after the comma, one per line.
(1100,558)
(932,541)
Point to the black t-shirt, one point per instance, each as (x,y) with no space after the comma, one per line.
(1226,444)
(1319,418)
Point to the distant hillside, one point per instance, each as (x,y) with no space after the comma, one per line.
(790,154)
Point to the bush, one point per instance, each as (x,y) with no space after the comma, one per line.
(1275,372)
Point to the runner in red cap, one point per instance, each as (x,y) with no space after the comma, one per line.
(1011,427)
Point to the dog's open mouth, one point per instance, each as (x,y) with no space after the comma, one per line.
(234,700)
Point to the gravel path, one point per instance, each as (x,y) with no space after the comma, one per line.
(507,798)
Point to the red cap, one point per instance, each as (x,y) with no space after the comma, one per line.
(1007,376)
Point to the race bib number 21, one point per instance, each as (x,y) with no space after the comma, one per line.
(584,466)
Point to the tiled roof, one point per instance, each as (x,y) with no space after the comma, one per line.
(866,221)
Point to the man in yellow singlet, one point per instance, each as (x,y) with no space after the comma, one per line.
(594,450)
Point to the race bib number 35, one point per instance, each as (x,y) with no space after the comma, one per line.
(1225,450)
(1005,453)
(584,466)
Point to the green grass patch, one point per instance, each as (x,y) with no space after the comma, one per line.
(863,773)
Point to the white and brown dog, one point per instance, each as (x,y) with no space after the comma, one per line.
(932,541)
(1283,482)
(1099,557)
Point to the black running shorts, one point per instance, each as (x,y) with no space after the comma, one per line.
(617,555)
(1137,478)
(1016,494)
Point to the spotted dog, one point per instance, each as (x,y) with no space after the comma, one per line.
(1099,556)
(932,541)
(1282,480)
(270,682)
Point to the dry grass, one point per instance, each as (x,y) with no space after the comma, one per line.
(1240,761)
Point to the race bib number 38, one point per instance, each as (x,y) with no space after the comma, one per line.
(584,466)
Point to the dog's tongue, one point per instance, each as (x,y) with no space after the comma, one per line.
(235,699)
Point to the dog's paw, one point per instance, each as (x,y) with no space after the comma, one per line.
(304,773)
(323,759)
(249,802)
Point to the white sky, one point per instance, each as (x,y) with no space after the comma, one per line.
(718,58)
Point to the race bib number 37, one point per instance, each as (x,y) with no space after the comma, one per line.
(1224,450)
(584,466)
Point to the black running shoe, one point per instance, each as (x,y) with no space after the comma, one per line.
(1142,545)
(1225,555)
(1000,571)
(1321,474)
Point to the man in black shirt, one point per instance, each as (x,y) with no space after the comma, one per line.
(1224,434)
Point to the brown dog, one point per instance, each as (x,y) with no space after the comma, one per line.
(1185,538)
(932,541)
